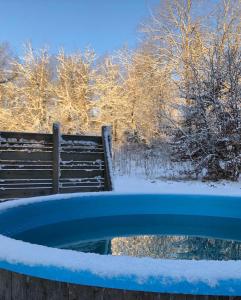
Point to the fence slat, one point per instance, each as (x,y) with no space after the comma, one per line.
(82,189)
(81,173)
(19,137)
(26,167)
(25,192)
(25,174)
(81,156)
(75,139)
(82,184)
(106,138)
(56,157)
(26,155)
(5,285)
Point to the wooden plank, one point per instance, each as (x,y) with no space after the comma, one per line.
(25,163)
(68,156)
(82,292)
(87,181)
(5,285)
(82,184)
(24,192)
(42,289)
(32,288)
(109,294)
(72,163)
(81,146)
(82,163)
(180,297)
(25,143)
(83,149)
(29,180)
(26,156)
(82,179)
(80,168)
(107,155)
(26,167)
(68,138)
(56,157)
(81,173)
(4,147)
(66,162)
(81,189)
(25,184)
(19,286)
(25,136)
(25,174)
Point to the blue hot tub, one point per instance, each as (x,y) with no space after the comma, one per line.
(33,230)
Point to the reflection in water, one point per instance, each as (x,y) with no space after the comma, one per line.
(100,247)
(171,247)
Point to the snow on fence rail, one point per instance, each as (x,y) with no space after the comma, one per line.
(33,164)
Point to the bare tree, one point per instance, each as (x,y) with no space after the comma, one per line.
(7,72)
(211,130)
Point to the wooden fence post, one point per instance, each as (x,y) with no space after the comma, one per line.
(106,138)
(56,157)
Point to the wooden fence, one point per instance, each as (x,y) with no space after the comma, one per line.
(33,164)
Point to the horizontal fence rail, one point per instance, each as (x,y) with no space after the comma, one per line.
(33,164)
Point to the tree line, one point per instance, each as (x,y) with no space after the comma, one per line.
(181,85)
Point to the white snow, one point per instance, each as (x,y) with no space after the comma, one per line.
(133,184)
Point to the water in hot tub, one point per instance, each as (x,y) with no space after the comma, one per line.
(170,247)
(172,237)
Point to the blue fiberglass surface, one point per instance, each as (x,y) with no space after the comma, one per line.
(26,217)
(56,223)
(70,232)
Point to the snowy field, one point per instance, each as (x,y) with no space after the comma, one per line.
(140,185)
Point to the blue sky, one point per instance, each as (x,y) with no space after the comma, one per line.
(105,25)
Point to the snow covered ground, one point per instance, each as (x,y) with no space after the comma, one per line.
(141,185)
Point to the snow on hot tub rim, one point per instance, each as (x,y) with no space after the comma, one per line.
(147,274)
